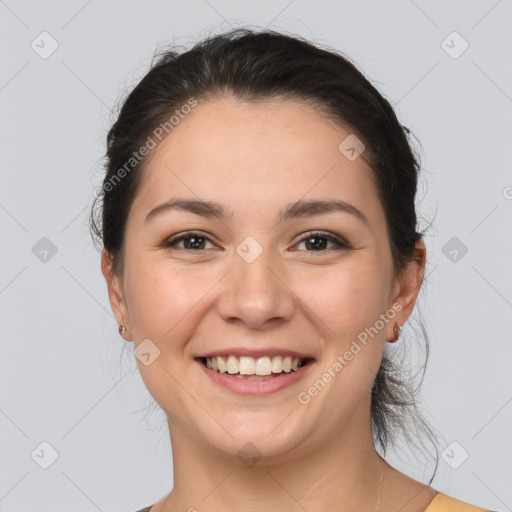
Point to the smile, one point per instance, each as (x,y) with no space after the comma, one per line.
(255,375)
(246,365)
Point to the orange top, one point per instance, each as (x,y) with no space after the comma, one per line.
(445,503)
(440,503)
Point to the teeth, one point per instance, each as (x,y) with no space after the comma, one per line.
(232,365)
(277,364)
(263,366)
(250,366)
(246,366)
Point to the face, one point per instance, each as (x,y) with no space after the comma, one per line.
(314,283)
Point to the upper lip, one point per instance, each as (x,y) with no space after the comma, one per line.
(248,352)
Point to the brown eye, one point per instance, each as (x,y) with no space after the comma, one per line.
(319,240)
(192,242)
(315,242)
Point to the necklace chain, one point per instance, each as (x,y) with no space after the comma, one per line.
(380,486)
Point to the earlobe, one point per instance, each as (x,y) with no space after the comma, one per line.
(115,292)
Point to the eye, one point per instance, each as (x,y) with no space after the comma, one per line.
(319,240)
(192,241)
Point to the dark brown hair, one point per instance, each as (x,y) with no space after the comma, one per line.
(255,66)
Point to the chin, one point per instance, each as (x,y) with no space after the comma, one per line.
(257,438)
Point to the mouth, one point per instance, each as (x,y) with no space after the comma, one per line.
(255,375)
(250,368)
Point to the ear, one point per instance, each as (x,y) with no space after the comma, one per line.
(115,293)
(408,285)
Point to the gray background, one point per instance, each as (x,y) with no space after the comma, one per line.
(68,379)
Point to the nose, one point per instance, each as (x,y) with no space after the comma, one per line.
(256,294)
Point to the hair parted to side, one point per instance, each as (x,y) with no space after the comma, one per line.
(260,65)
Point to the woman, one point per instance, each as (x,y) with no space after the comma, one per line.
(260,249)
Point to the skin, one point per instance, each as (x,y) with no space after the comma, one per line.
(254,160)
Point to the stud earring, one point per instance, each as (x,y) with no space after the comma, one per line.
(122,329)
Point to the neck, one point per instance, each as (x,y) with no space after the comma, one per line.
(343,469)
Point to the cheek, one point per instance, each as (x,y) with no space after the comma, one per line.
(347,298)
(164,307)
(159,297)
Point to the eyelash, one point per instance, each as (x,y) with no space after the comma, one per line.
(341,244)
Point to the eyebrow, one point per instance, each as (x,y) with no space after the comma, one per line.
(302,208)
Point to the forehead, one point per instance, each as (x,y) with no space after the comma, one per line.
(256,155)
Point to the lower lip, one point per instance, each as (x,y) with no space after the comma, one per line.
(256,387)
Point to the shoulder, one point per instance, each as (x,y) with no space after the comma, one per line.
(444,503)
